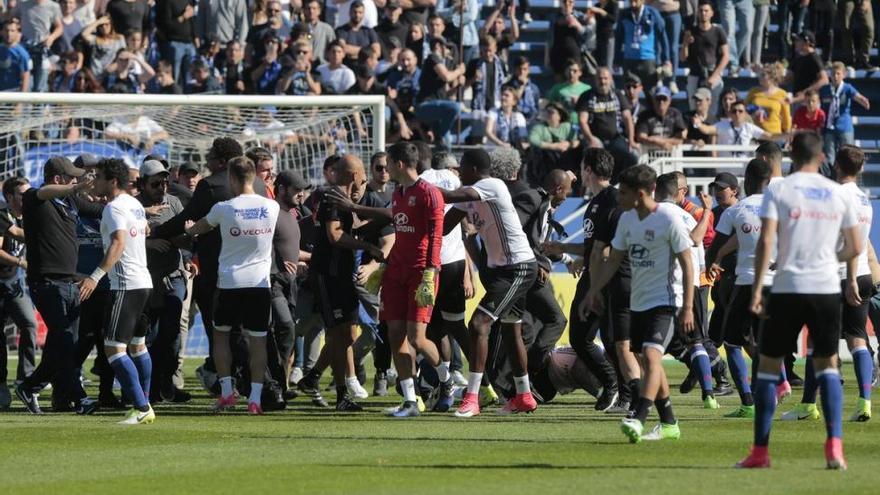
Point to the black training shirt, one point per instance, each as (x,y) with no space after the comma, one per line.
(600,223)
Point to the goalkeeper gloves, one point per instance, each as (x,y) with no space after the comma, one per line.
(374,281)
(425,292)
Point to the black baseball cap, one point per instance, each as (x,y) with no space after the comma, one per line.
(86,160)
(291,178)
(807,36)
(61,165)
(189,167)
(725,179)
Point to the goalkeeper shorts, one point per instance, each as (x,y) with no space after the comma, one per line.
(398,298)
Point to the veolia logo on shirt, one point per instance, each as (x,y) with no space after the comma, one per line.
(235,231)
(134,231)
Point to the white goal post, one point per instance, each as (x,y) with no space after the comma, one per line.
(300,131)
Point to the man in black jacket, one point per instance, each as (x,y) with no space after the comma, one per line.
(210,191)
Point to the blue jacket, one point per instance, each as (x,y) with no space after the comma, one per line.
(651,44)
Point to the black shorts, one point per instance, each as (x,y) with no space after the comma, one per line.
(336,299)
(854,319)
(506,289)
(788,315)
(653,328)
(124,319)
(248,309)
(741,326)
(450,304)
(700,331)
(617,301)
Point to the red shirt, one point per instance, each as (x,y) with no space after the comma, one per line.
(803,120)
(418,223)
(697,212)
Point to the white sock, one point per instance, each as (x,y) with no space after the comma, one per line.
(256,393)
(225,386)
(474,381)
(443,372)
(522,384)
(409,390)
(352,382)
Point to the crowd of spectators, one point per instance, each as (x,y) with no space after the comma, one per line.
(438,62)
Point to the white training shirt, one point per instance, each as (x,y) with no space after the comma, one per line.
(744,220)
(127,214)
(247,225)
(652,244)
(452,248)
(498,224)
(811,211)
(865,215)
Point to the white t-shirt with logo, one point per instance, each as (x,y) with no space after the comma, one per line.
(247,225)
(744,220)
(127,214)
(452,249)
(865,215)
(498,224)
(811,211)
(652,244)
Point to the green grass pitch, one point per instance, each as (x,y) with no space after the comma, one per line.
(565,447)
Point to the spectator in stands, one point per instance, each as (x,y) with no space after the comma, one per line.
(837,99)
(202,80)
(40,27)
(266,74)
(737,20)
(806,70)
(756,43)
(567,30)
(604,116)
(296,76)
(434,108)
(321,32)
(632,91)
(276,26)
(104,43)
(821,13)
(728,97)
(354,36)
(494,27)
(567,92)
(176,32)
(391,26)
(222,20)
(15,59)
(506,126)
(485,76)
(366,84)
(371,13)
(662,126)
(164,83)
(71,27)
(605,12)
(702,103)
(64,79)
(670,10)
(403,88)
(643,36)
(233,70)
(736,130)
(527,93)
(85,11)
(336,78)
(417,39)
(128,15)
(707,53)
(189,175)
(809,116)
(794,17)
(257,13)
(465,22)
(768,103)
(858,16)
(554,144)
(86,82)
(120,76)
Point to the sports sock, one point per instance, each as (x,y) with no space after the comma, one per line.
(765,406)
(409,389)
(634,386)
(225,386)
(144,365)
(810,385)
(442,372)
(474,381)
(783,375)
(341,392)
(256,393)
(642,409)
(832,401)
(740,373)
(864,369)
(702,368)
(127,374)
(522,384)
(664,409)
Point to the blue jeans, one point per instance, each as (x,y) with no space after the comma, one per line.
(180,55)
(440,115)
(737,16)
(164,336)
(58,304)
(832,139)
(673,34)
(39,73)
(16,304)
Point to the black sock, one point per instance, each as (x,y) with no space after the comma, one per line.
(747,398)
(664,409)
(707,393)
(144,408)
(634,386)
(642,409)
(341,392)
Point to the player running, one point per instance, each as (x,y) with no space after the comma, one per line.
(808,213)
(244,298)
(654,235)
(512,270)
(123,232)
